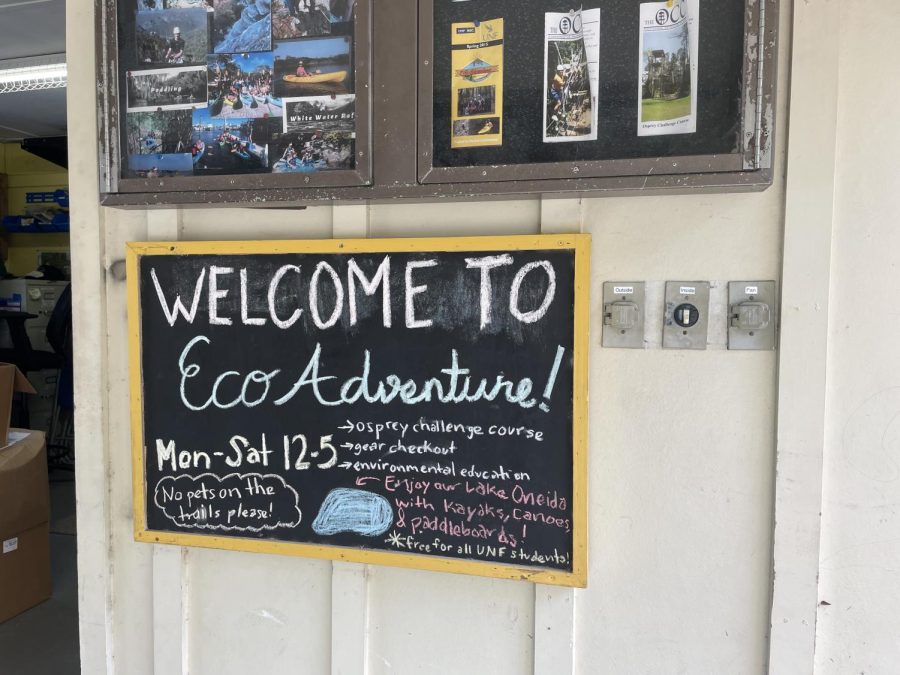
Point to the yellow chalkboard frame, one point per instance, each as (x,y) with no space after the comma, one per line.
(579,243)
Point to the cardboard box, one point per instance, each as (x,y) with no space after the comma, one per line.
(25,571)
(11,381)
(24,523)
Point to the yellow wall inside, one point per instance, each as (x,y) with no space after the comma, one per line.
(29,173)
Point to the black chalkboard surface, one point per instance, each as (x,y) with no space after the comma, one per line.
(410,402)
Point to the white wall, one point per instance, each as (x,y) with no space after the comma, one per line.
(858,628)
(682,444)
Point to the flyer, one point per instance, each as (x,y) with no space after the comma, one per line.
(669,45)
(476,115)
(572,75)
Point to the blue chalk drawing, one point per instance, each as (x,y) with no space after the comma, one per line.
(349,510)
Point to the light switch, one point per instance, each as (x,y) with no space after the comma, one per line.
(751,315)
(686,321)
(623,314)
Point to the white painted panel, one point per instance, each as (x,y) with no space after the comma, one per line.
(455,219)
(235,223)
(445,624)
(859,581)
(131,563)
(804,335)
(253,613)
(681,453)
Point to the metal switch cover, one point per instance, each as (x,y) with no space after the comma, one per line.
(751,315)
(686,322)
(623,314)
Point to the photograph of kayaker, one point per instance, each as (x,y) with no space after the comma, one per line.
(313,67)
(159,143)
(240,85)
(328,113)
(476,127)
(242,26)
(228,146)
(309,152)
(174,37)
(166,89)
(477,101)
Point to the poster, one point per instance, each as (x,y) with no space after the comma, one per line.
(477,84)
(166,89)
(240,86)
(329,113)
(314,67)
(572,75)
(178,37)
(669,45)
(229,145)
(313,150)
(242,26)
(158,143)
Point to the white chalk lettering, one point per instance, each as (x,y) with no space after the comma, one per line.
(382,277)
(413,291)
(178,307)
(537,314)
(192,370)
(245,318)
(314,296)
(215,294)
(273,289)
(486,264)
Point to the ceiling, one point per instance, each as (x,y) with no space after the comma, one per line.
(31,28)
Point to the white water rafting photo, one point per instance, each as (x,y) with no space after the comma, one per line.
(228,146)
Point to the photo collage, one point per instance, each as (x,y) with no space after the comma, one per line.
(227,87)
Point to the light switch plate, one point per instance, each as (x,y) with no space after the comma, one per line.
(752,315)
(686,321)
(623,314)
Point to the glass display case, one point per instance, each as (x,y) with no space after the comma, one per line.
(258,93)
(298,101)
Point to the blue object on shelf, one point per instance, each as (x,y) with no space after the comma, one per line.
(59,220)
(59,197)
(29,225)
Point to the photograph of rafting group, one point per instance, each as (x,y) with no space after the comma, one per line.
(226,87)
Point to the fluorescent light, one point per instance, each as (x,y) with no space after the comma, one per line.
(33,74)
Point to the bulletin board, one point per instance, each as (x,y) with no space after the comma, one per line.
(325,399)
(536,49)
(612,97)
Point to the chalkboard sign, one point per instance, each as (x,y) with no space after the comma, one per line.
(419,403)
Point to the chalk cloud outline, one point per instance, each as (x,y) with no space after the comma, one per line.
(220,480)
